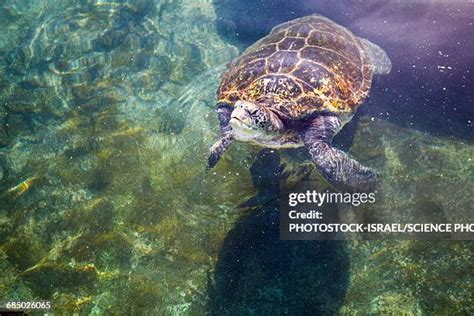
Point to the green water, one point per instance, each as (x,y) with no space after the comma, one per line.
(107,114)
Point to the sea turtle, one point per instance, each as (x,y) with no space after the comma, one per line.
(297,87)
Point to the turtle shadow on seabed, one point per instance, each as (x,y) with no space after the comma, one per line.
(259,274)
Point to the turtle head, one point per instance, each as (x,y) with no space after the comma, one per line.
(251,121)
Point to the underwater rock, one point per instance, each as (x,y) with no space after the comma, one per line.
(423,178)
(80,85)
(23,250)
(47,277)
(419,169)
(394,304)
(72,303)
(170,123)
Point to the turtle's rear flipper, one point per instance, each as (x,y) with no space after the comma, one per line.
(337,168)
(378,57)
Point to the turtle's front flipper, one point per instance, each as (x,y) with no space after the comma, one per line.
(217,150)
(341,171)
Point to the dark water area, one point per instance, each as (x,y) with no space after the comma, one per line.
(430,44)
(258,273)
